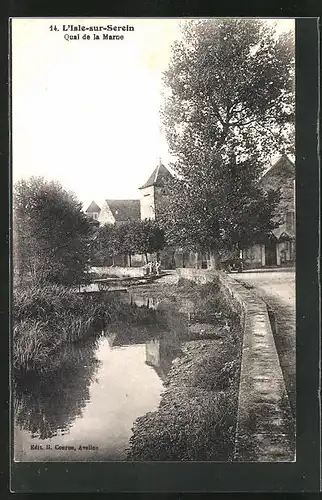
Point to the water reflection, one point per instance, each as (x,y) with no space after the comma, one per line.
(47,405)
(160,352)
(100,387)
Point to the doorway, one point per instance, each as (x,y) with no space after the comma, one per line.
(270,253)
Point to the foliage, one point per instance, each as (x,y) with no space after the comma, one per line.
(51,233)
(128,238)
(105,244)
(150,237)
(46,318)
(229,106)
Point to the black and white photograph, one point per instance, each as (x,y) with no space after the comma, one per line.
(153,240)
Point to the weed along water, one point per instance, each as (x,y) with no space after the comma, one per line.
(93,403)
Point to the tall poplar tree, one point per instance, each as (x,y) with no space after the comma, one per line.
(229,107)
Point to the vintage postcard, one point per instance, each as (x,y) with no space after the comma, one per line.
(153,241)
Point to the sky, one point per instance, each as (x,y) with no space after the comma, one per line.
(87,112)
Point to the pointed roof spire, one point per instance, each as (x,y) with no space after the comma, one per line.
(93,208)
(159,174)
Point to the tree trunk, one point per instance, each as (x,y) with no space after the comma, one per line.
(214,259)
(146,258)
(130,260)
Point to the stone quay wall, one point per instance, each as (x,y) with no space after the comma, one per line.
(265,424)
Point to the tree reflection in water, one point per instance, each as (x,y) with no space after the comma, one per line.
(46,405)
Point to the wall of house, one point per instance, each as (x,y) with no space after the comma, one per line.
(147,203)
(283,178)
(106,216)
(254,256)
(195,260)
(280,177)
(161,199)
(285,252)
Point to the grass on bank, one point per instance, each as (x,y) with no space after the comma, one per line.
(48,317)
(196,418)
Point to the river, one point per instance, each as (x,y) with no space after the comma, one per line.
(85,409)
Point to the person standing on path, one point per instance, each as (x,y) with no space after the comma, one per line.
(157,268)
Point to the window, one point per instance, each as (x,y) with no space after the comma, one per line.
(95,216)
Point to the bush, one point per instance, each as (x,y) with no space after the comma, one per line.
(32,344)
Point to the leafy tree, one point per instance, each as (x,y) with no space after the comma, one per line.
(150,239)
(105,245)
(50,233)
(129,238)
(229,105)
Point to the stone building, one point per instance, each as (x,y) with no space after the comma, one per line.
(279,247)
(152,195)
(114,211)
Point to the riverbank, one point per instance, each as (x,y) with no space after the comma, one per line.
(196,418)
(187,350)
(47,318)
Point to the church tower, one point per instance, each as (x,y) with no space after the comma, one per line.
(153,192)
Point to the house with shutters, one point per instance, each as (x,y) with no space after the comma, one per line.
(279,247)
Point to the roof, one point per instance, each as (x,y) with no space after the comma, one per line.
(158,176)
(282,234)
(283,167)
(93,208)
(125,210)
